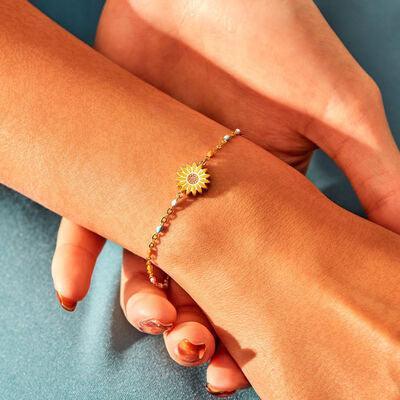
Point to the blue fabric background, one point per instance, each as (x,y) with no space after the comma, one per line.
(46,353)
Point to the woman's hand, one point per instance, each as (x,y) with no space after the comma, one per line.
(189,336)
(273,68)
(171,64)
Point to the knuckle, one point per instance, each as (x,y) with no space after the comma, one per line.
(365,97)
(371,92)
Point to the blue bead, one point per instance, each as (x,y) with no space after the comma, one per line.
(227,138)
(159,228)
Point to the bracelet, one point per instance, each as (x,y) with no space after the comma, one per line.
(191,179)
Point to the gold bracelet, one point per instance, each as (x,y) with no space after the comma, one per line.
(191,179)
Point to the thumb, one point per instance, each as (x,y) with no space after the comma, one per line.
(356,135)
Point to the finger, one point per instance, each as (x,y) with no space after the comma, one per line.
(74,259)
(145,306)
(357,136)
(224,377)
(191,341)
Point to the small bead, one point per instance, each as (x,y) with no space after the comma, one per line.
(174,202)
(237,131)
(227,138)
(159,228)
(153,280)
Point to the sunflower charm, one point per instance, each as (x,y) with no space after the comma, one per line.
(192,178)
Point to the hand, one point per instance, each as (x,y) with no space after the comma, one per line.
(285,79)
(284,134)
(147,308)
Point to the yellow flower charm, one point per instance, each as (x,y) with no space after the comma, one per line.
(192,178)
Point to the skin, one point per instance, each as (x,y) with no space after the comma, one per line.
(164,49)
(318,297)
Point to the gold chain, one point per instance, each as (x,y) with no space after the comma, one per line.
(192,179)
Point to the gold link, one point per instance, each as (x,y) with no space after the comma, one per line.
(170,211)
(155,236)
(164,220)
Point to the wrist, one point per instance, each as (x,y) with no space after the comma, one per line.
(248,212)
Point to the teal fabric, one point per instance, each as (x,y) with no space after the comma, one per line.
(48,354)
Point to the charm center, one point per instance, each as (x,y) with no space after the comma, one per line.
(193,178)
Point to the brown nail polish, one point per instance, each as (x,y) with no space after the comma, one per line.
(219,393)
(66,304)
(153,326)
(190,352)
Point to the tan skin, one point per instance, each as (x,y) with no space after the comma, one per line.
(164,50)
(319,298)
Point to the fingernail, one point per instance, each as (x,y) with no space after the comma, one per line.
(153,326)
(219,393)
(66,304)
(190,352)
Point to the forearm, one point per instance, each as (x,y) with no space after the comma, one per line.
(92,142)
(85,138)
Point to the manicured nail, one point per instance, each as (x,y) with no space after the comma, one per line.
(154,326)
(190,352)
(219,393)
(66,304)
